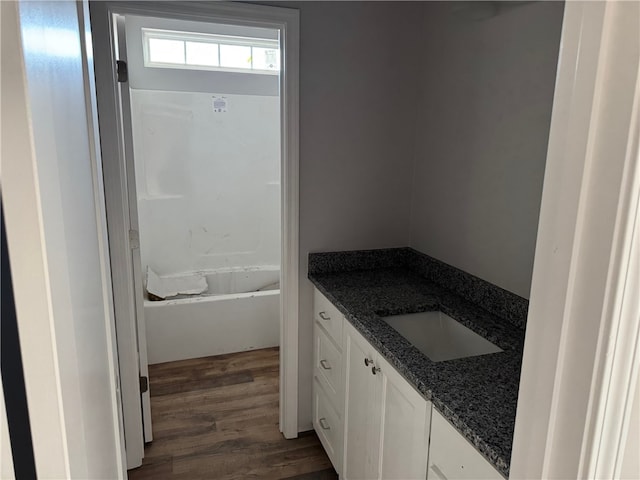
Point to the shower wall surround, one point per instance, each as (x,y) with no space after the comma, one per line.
(208,181)
(207,176)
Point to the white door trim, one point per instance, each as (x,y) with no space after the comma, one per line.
(580,361)
(134,228)
(26,244)
(118,224)
(53,382)
(287,22)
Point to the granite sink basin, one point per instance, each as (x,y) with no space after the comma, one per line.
(439,336)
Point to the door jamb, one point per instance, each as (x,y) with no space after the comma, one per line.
(118,225)
(580,362)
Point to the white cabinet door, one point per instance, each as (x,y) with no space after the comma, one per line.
(404,437)
(328,367)
(362,409)
(327,425)
(328,373)
(452,457)
(327,315)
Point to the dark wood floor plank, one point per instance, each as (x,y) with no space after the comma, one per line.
(227,398)
(217,418)
(328,474)
(239,462)
(217,364)
(201,383)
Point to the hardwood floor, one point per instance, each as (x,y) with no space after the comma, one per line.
(217,418)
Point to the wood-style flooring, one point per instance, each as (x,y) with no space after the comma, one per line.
(217,418)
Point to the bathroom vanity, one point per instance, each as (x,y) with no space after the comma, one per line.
(412,378)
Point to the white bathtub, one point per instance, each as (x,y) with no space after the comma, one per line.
(233,316)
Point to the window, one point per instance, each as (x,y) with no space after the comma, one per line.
(201,51)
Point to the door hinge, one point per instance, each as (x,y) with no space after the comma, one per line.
(122,71)
(144,384)
(134,239)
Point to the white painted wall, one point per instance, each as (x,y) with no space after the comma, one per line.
(56,242)
(369,107)
(357,90)
(481,139)
(208,183)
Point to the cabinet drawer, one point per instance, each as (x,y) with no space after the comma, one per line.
(328,316)
(328,367)
(452,457)
(328,426)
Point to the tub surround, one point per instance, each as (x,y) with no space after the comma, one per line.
(478,395)
(240,311)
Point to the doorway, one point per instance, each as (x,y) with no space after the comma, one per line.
(198,121)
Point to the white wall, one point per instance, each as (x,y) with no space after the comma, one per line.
(208,182)
(357,88)
(56,242)
(481,140)
(369,106)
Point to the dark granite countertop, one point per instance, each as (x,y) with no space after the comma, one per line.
(478,395)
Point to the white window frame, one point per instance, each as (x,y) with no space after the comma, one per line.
(210,38)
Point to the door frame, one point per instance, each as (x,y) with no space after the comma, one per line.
(582,347)
(287,22)
(51,364)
